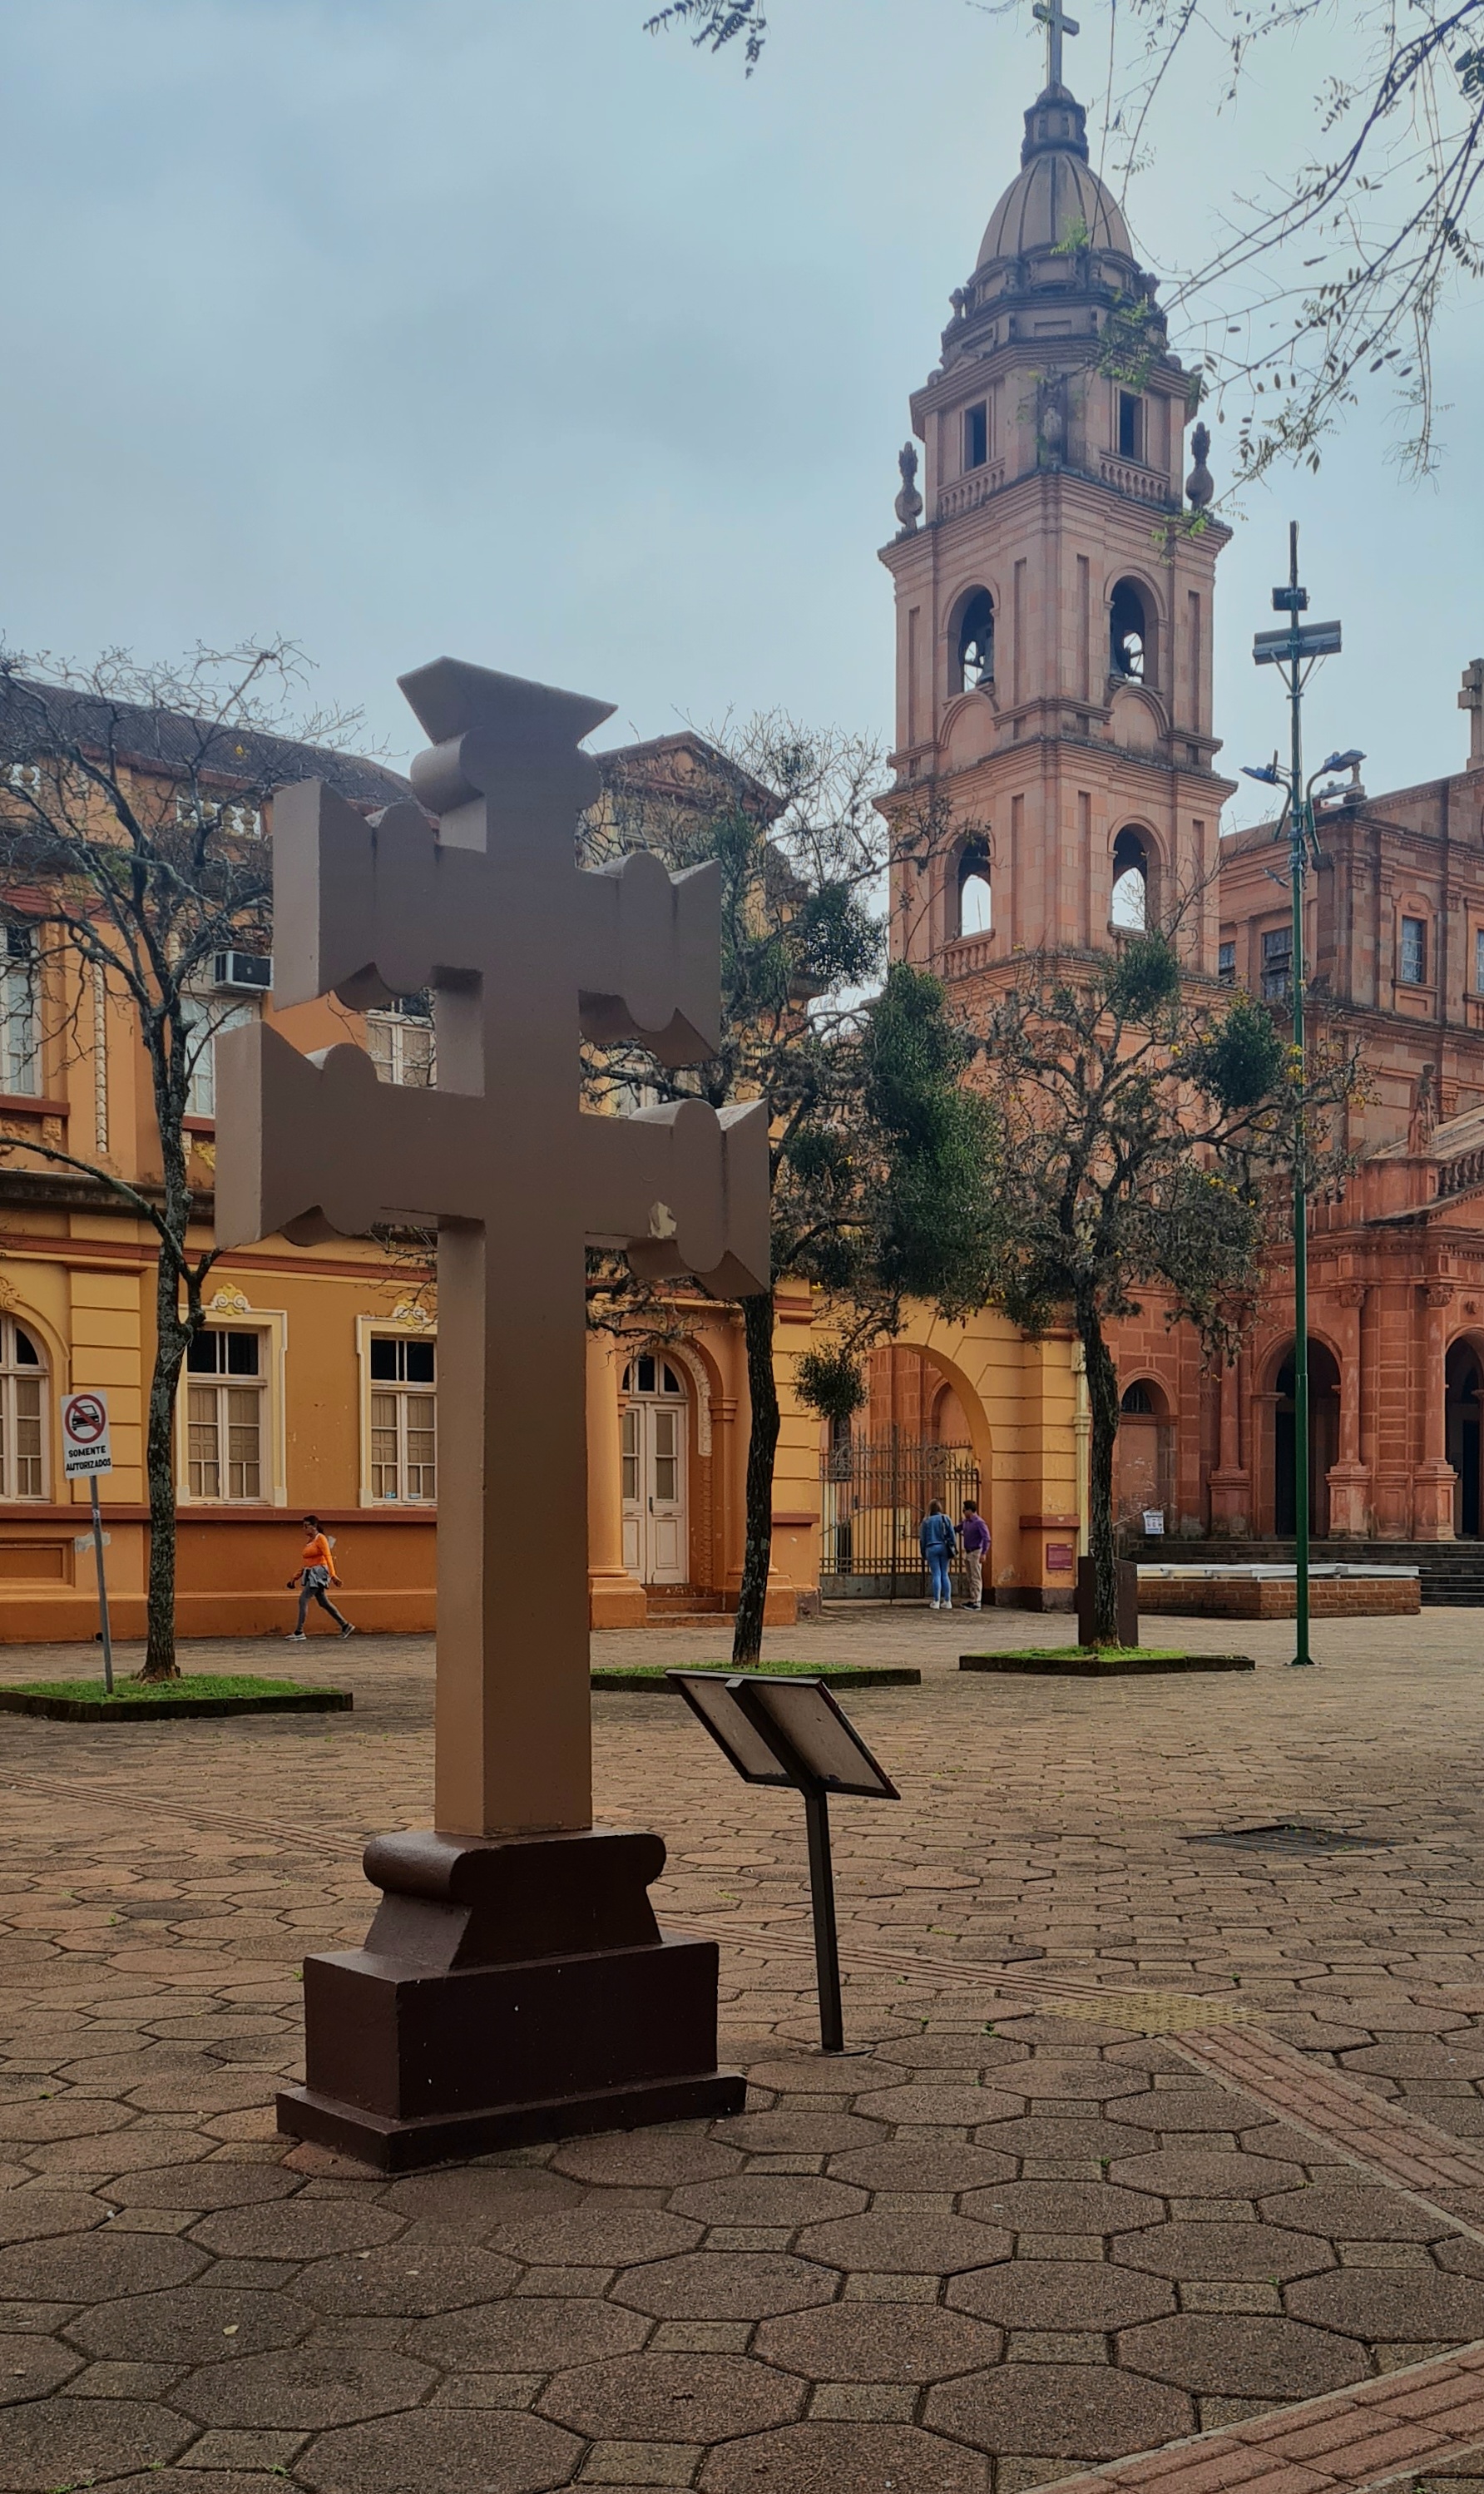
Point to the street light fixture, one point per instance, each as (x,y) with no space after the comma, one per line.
(1295,652)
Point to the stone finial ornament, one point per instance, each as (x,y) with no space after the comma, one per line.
(1199,484)
(1472,699)
(1051,420)
(908,505)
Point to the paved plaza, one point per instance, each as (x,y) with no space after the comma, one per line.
(1144,2138)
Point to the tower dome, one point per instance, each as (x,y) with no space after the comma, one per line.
(1056,198)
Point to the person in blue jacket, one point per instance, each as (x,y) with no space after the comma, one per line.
(937,1538)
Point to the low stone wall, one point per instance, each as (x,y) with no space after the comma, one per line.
(1268,1593)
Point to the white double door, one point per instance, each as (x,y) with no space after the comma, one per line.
(656,1538)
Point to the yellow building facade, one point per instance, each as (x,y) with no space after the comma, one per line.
(313,1385)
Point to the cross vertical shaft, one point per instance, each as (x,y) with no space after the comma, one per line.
(1053,16)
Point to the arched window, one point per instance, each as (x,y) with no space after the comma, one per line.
(976,915)
(22,1414)
(1130,882)
(1138,1399)
(975,656)
(1131,641)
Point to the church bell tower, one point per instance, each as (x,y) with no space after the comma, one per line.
(1054,585)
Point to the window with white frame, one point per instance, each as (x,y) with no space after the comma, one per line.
(205,1017)
(404,1418)
(399,1039)
(225,1413)
(23,1413)
(1411,952)
(19,1019)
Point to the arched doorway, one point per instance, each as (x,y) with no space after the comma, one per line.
(656,1444)
(1464,1401)
(1143,1453)
(1323,1440)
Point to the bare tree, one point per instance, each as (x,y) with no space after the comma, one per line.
(132,854)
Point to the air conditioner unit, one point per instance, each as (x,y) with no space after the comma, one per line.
(251,973)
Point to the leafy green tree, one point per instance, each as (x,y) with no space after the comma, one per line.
(1143,1141)
(878,1152)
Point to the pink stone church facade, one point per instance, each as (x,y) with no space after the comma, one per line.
(1055,680)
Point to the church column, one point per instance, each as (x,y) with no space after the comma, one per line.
(1230,1482)
(1349,1479)
(614,1598)
(1433,1477)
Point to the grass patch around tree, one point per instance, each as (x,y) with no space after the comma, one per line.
(1086,1662)
(193,1693)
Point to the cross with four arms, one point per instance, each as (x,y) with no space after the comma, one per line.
(525,952)
(1472,699)
(1053,16)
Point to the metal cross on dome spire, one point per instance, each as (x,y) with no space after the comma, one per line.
(1053,16)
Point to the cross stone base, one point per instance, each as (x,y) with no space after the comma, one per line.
(510,1990)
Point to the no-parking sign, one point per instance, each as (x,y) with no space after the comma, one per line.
(85,1445)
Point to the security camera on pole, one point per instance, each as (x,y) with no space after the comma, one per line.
(1296,651)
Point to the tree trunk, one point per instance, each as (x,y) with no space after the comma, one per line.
(1102,1397)
(160,1661)
(761,1448)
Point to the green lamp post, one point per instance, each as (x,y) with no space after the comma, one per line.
(1296,651)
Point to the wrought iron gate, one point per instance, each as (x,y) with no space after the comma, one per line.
(875,1493)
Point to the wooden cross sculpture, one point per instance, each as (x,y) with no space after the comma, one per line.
(525,952)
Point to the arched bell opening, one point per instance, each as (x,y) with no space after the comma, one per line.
(974,644)
(1133,863)
(1323,1440)
(974,913)
(1131,634)
(1464,1404)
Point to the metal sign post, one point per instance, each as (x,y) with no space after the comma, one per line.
(87,1450)
(793,1732)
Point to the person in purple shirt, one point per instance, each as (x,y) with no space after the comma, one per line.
(974,1536)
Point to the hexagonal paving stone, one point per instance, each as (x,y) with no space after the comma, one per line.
(1089,2079)
(677,2399)
(944,2049)
(530,2334)
(1061,2295)
(1399,2307)
(1062,2207)
(66,2441)
(814,2073)
(32,2368)
(1061,2410)
(1242,2355)
(828,2458)
(926,2165)
(879,2342)
(297,2230)
(958,2107)
(57,2117)
(768,2200)
(442,2451)
(646,2158)
(407,2278)
(213,2183)
(1204,2174)
(726,2286)
(190,2480)
(1353,2213)
(1224,2250)
(473,2199)
(207,2088)
(91,2268)
(326,2382)
(596,2237)
(1063,2136)
(783,2132)
(1446,2058)
(193,2327)
(1187,2109)
(895,2240)
(34,2214)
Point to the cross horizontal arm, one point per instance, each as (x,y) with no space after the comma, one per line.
(682,1190)
(373,910)
(313,1147)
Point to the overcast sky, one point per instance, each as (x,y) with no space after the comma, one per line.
(496,328)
